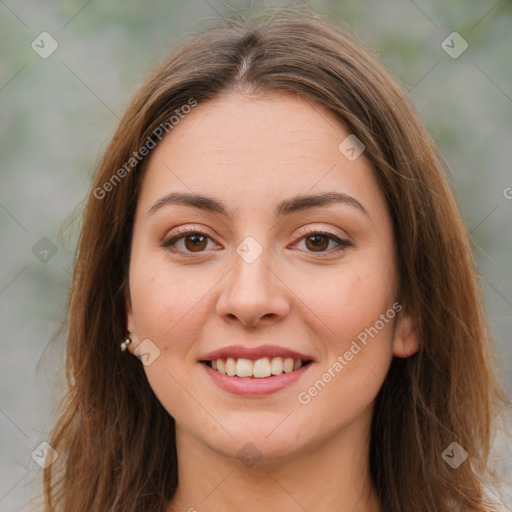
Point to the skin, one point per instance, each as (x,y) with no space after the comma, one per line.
(251,152)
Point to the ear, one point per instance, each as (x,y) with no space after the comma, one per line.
(405,342)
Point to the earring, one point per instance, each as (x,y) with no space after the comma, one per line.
(125,343)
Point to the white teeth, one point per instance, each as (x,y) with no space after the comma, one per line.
(230,367)
(288,365)
(260,368)
(244,367)
(276,366)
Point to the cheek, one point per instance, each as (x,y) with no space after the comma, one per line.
(344,301)
(169,311)
(354,320)
(167,300)
(353,368)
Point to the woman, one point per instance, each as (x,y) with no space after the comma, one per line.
(273,305)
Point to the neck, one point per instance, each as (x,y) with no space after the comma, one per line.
(333,476)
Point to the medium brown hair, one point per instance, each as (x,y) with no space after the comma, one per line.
(116,442)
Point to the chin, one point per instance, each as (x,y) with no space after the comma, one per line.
(268,437)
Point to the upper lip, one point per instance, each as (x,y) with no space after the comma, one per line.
(237,351)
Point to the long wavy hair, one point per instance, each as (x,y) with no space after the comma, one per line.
(116,442)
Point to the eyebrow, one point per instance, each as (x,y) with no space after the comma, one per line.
(288,206)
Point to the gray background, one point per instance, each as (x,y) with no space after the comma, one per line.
(58,113)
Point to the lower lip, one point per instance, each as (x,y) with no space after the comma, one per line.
(248,386)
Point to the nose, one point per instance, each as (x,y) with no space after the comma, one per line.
(253,293)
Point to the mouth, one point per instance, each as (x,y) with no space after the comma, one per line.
(263,368)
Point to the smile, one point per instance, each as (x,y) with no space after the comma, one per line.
(258,369)
(255,371)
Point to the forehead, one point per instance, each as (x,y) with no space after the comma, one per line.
(250,151)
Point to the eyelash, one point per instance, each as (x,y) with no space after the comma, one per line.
(343,244)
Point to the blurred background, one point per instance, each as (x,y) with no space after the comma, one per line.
(69,69)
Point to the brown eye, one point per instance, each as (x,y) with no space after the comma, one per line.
(193,241)
(317,242)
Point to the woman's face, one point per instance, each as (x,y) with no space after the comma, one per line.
(269,276)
